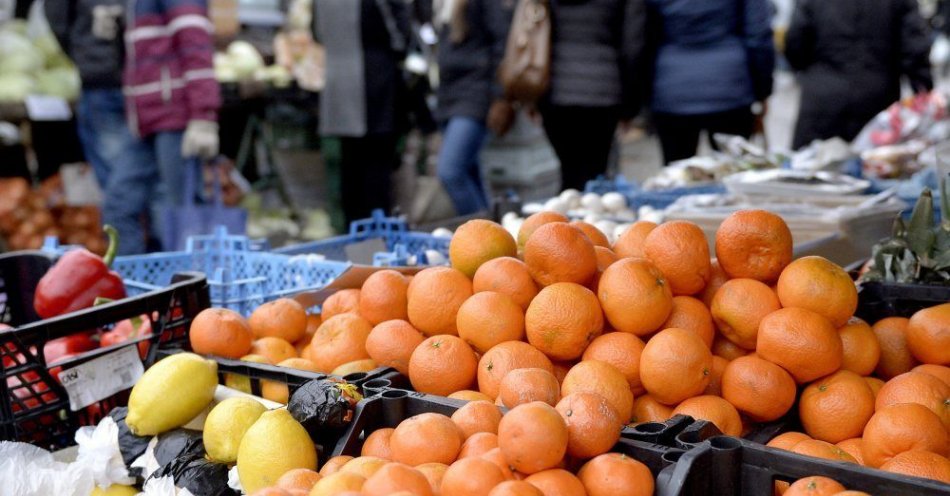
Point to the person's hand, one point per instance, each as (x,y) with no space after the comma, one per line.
(501,116)
(200,140)
(760,109)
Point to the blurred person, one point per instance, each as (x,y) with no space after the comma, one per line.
(472,36)
(850,56)
(712,61)
(90,33)
(596,49)
(364,100)
(172,97)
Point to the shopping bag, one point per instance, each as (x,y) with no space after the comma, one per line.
(191,219)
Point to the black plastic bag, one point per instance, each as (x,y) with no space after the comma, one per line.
(197,474)
(324,405)
(179,443)
(130,445)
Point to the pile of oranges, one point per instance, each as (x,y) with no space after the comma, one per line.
(529,451)
(652,327)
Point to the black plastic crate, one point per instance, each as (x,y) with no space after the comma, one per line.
(731,466)
(34,406)
(877,300)
(681,432)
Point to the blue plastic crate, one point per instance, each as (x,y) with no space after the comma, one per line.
(659,199)
(239,278)
(393,232)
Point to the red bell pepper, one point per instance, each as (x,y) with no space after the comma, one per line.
(77,279)
(58,350)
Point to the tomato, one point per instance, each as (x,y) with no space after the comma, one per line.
(128,330)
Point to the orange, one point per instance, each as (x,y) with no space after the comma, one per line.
(469,395)
(814,486)
(471,477)
(426,438)
(903,427)
(298,478)
(271,491)
(714,409)
(853,447)
(691,314)
(822,449)
(334,464)
(717,278)
(739,307)
(675,365)
(391,344)
(340,339)
(495,364)
(754,244)
(724,348)
(860,349)
(278,391)
(435,295)
(364,465)
(647,409)
(635,296)
(533,222)
(593,234)
(622,350)
(478,241)
(613,474)
(605,258)
(557,482)
(681,252)
(598,377)
(816,284)
(715,378)
(395,477)
(377,444)
(343,301)
(928,335)
(355,367)
(533,437)
(498,458)
(563,319)
(758,388)
(527,385)
(559,252)
(338,483)
(802,342)
(917,387)
(593,426)
(515,488)
(275,350)
(788,440)
(478,444)
(508,276)
(919,463)
(383,297)
(895,354)
(489,318)
(875,384)
(836,407)
(938,371)
(433,472)
(282,318)
(630,243)
(221,332)
(477,416)
(442,365)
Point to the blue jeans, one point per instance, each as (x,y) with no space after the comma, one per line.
(459,166)
(124,165)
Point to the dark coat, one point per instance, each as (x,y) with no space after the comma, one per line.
(98,56)
(851,55)
(710,56)
(596,53)
(468,69)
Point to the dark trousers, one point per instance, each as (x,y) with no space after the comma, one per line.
(581,137)
(366,167)
(679,134)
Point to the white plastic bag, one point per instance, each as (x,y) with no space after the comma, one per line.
(26,470)
(163,486)
(99,454)
(147,461)
(234,480)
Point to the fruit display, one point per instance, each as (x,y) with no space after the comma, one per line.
(27,215)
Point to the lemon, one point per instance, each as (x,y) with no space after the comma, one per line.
(170,393)
(275,444)
(242,382)
(114,490)
(353,367)
(226,425)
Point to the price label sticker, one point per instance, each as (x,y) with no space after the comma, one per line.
(102,377)
(47,108)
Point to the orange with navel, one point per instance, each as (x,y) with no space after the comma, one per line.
(836,407)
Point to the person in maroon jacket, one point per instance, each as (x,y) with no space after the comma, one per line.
(172,97)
